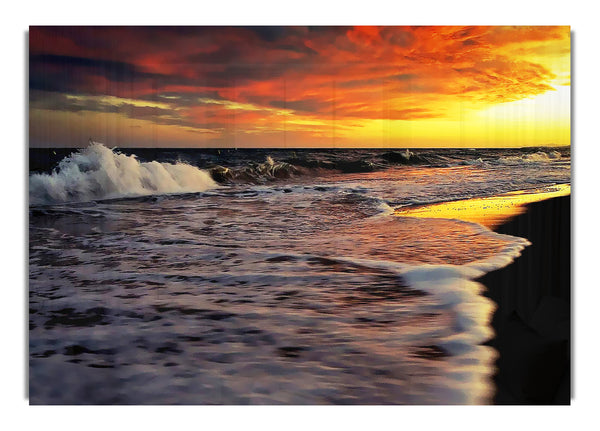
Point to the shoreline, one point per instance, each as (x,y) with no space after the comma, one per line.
(533,295)
(492,211)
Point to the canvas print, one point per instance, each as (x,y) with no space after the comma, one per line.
(299,215)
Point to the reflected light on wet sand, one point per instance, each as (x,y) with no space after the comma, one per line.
(489,212)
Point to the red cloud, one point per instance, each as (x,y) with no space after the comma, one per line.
(324,72)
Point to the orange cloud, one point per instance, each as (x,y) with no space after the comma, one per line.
(297,77)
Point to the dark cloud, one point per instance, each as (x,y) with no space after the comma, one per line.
(465,32)
(306,105)
(239,74)
(225,54)
(328,30)
(470,42)
(300,48)
(38,80)
(269,33)
(472,70)
(76,75)
(112,70)
(248,53)
(405,77)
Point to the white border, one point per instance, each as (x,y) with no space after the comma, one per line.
(581,15)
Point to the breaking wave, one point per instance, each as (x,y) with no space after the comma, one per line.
(290,167)
(539,156)
(256,173)
(97,172)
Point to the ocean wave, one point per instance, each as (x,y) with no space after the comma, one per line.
(256,172)
(539,156)
(98,172)
(260,166)
(294,166)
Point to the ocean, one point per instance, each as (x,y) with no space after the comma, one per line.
(266,276)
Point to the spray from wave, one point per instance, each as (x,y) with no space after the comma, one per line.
(97,172)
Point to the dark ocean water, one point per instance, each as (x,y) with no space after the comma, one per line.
(265,276)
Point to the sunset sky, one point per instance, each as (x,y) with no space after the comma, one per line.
(299,86)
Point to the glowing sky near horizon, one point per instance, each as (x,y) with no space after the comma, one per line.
(299,86)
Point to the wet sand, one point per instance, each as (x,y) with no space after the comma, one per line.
(492,211)
(533,319)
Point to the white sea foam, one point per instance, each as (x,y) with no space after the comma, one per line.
(537,157)
(266,267)
(455,289)
(97,172)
